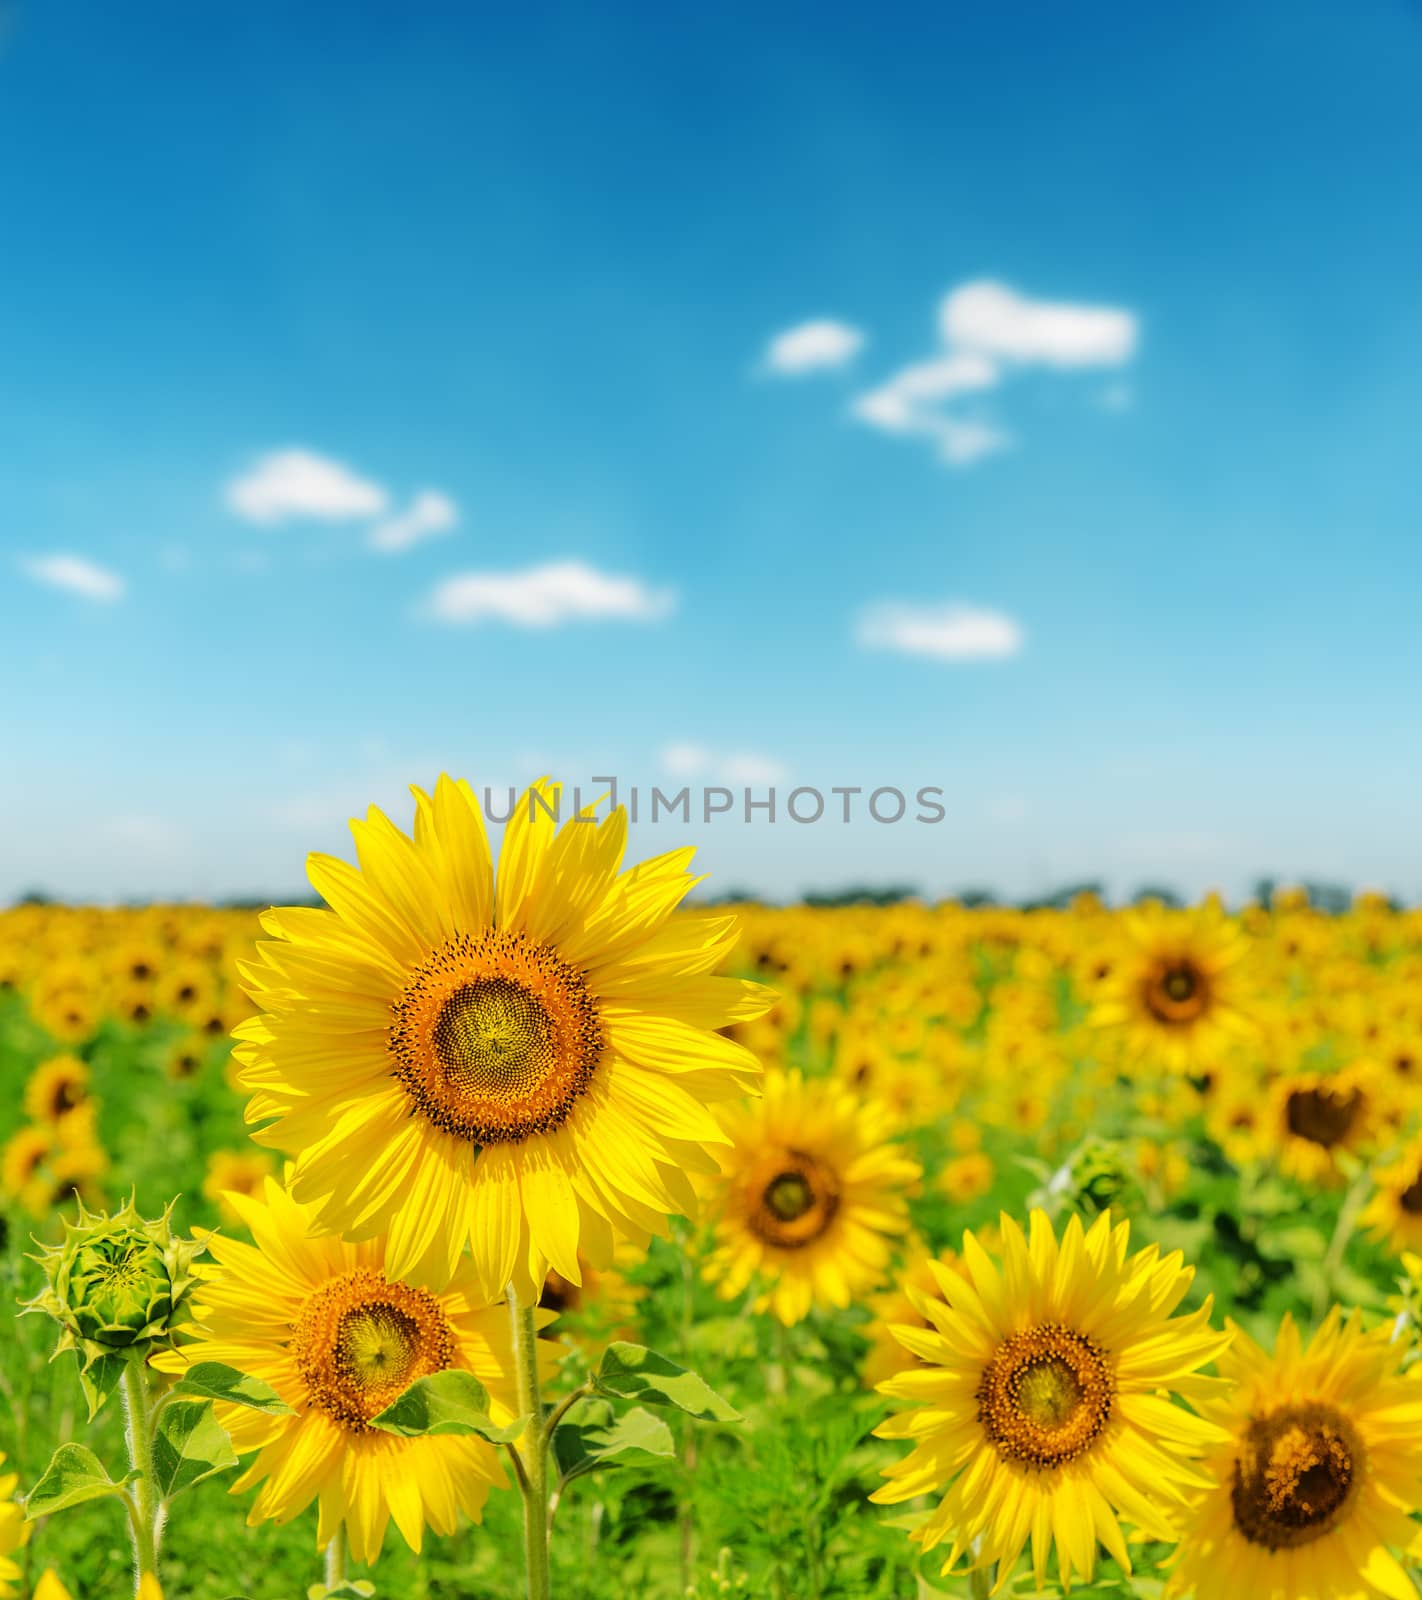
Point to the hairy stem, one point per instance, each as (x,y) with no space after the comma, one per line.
(532,1446)
(145,1510)
(336,1559)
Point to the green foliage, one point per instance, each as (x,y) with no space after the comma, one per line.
(211,1380)
(632,1372)
(188,1446)
(74,1476)
(594,1436)
(446,1402)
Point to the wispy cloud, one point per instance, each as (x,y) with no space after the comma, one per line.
(950,632)
(547,596)
(78,575)
(287,484)
(989,332)
(818,346)
(996,320)
(429,513)
(912,402)
(686,760)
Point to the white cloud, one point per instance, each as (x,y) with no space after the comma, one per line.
(989,331)
(912,402)
(996,320)
(298,483)
(686,760)
(78,575)
(952,632)
(428,514)
(818,346)
(544,597)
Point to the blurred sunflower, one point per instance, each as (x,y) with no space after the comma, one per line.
(604,1302)
(1314,1117)
(242,1172)
(55,1088)
(340,1335)
(1044,1389)
(810,1196)
(1320,1469)
(523,1066)
(1174,995)
(14,1531)
(1393,1215)
(899,1306)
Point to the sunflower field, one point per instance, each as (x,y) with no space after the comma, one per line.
(481,1233)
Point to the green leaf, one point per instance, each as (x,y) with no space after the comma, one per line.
(74,1475)
(632,1372)
(593,1436)
(188,1446)
(100,1378)
(211,1380)
(445,1402)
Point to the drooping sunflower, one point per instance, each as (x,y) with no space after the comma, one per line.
(811,1196)
(1043,1389)
(1314,1118)
(1175,995)
(55,1088)
(1315,1481)
(340,1335)
(525,1066)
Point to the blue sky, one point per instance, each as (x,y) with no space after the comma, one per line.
(1019,399)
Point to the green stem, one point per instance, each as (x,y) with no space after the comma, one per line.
(145,1511)
(1347,1221)
(336,1559)
(532,1446)
(980,1583)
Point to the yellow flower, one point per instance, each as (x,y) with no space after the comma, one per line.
(339,1334)
(1044,1390)
(50,1588)
(236,1171)
(14,1531)
(1175,997)
(1320,1468)
(55,1088)
(1394,1214)
(525,1066)
(1314,1117)
(967,1177)
(810,1197)
(898,1306)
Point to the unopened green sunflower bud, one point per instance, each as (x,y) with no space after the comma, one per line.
(117,1286)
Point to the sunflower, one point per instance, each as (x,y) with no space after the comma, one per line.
(14,1531)
(525,1066)
(340,1335)
(1045,1393)
(1316,1117)
(55,1088)
(810,1197)
(1321,1467)
(604,1302)
(1393,1215)
(1174,995)
(236,1171)
(898,1306)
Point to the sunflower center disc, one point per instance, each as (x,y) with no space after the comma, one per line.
(1045,1395)
(794,1201)
(495,1038)
(1322,1116)
(1411,1197)
(362,1341)
(1177,992)
(1295,1476)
